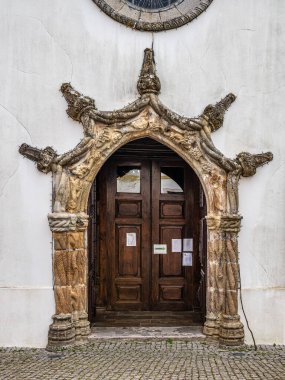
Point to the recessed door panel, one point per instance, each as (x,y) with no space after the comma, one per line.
(171,293)
(171,209)
(171,263)
(129,250)
(131,293)
(128,209)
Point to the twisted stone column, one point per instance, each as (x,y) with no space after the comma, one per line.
(215,277)
(231,329)
(70,323)
(222,319)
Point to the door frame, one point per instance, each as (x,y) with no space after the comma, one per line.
(97,256)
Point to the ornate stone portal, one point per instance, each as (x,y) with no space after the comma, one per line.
(73,173)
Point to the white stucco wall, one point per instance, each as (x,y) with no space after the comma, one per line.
(236,46)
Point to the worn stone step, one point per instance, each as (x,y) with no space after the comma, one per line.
(147,318)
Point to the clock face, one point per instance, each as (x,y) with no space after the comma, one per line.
(153,15)
(151,4)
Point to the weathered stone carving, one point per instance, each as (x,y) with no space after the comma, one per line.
(250,162)
(70,281)
(61,332)
(69,268)
(245,166)
(59,222)
(43,157)
(148,81)
(82,327)
(76,102)
(216,113)
(227,223)
(73,174)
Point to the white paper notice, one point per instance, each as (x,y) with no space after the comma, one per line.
(187,259)
(160,249)
(176,245)
(187,245)
(131,239)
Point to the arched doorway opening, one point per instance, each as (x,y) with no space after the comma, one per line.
(147,239)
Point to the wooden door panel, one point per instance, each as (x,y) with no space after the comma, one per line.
(128,261)
(128,208)
(127,274)
(170,264)
(128,213)
(128,294)
(171,209)
(171,293)
(172,219)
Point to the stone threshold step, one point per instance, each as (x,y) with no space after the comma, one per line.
(178,332)
(147,318)
(132,323)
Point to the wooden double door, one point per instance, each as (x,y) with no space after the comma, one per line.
(145,254)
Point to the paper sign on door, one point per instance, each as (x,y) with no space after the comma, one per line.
(187,245)
(160,249)
(187,259)
(176,245)
(131,239)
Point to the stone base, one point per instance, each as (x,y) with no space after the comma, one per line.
(61,332)
(82,327)
(231,331)
(211,326)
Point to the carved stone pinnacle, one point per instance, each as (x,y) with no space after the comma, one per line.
(77,103)
(250,162)
(43,157)
(217,112)
(148,81)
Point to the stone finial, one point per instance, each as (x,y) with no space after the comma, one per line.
(250,162)
(43,157)
(148,81)
(217,112)
(77,103)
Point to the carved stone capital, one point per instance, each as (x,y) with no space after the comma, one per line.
(250,162)
(148,81)
(61,222)
(226,223)
(43,157)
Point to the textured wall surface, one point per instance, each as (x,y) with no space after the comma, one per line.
(234,47)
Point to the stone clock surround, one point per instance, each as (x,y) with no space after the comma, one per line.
(177,14)
(74,172)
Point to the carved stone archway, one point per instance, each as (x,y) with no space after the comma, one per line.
(74,172)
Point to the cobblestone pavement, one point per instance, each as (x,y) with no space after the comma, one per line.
(145,359)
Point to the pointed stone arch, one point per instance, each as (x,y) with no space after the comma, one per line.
(74,172)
